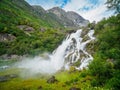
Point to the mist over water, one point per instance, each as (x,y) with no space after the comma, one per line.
(68,53)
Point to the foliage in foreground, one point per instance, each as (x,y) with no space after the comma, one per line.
(105,67)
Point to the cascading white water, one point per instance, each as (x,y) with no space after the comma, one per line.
(66,54)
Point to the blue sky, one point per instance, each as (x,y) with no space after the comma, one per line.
(93,10)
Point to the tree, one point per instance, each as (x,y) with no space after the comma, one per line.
(114,5)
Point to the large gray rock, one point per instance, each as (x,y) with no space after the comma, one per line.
(6,37)
(52,80)
(7,77)
(26,28)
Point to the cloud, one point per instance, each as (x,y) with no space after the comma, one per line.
(93,10)
(47,4)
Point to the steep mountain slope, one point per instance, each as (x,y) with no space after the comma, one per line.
(62,16)
(48,16)
(69,18)
(77,19)
(23,30)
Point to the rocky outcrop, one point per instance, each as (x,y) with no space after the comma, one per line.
(62,15)
(6,37)
(77,19)
(26,28)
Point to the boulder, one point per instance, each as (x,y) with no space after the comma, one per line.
(7,77)
(6,37)
(29,29)
(26,28)
(52,80)
(3,78)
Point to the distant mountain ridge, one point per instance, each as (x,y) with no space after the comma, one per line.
(69,18)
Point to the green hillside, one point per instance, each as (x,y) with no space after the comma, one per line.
(18,14)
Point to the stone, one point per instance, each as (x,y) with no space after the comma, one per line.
(26,28)
(6,37)
(42,29)
(3,78)
(52,80)
(29,29)
(7,77)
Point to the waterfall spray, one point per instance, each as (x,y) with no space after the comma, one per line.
(72,50)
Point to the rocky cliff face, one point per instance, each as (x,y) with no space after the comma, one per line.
(62,15)
(77,19)
(69,18)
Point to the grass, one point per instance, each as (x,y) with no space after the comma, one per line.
(66,80)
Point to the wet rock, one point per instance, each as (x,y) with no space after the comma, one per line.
(74,41)
(74,88)
(52,80)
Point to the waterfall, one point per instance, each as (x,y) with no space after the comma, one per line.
(72,50)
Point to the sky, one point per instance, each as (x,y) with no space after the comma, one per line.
(92,10)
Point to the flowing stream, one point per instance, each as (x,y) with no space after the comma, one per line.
(72,50)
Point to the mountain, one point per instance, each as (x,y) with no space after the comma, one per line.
(39,9)
(25,30)
(48,16)
(69,18)
(77,19)
(29,29)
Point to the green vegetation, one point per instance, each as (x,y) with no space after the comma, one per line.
(114,5)
(103,73)
(43,36)
(66,80)
(105,66)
